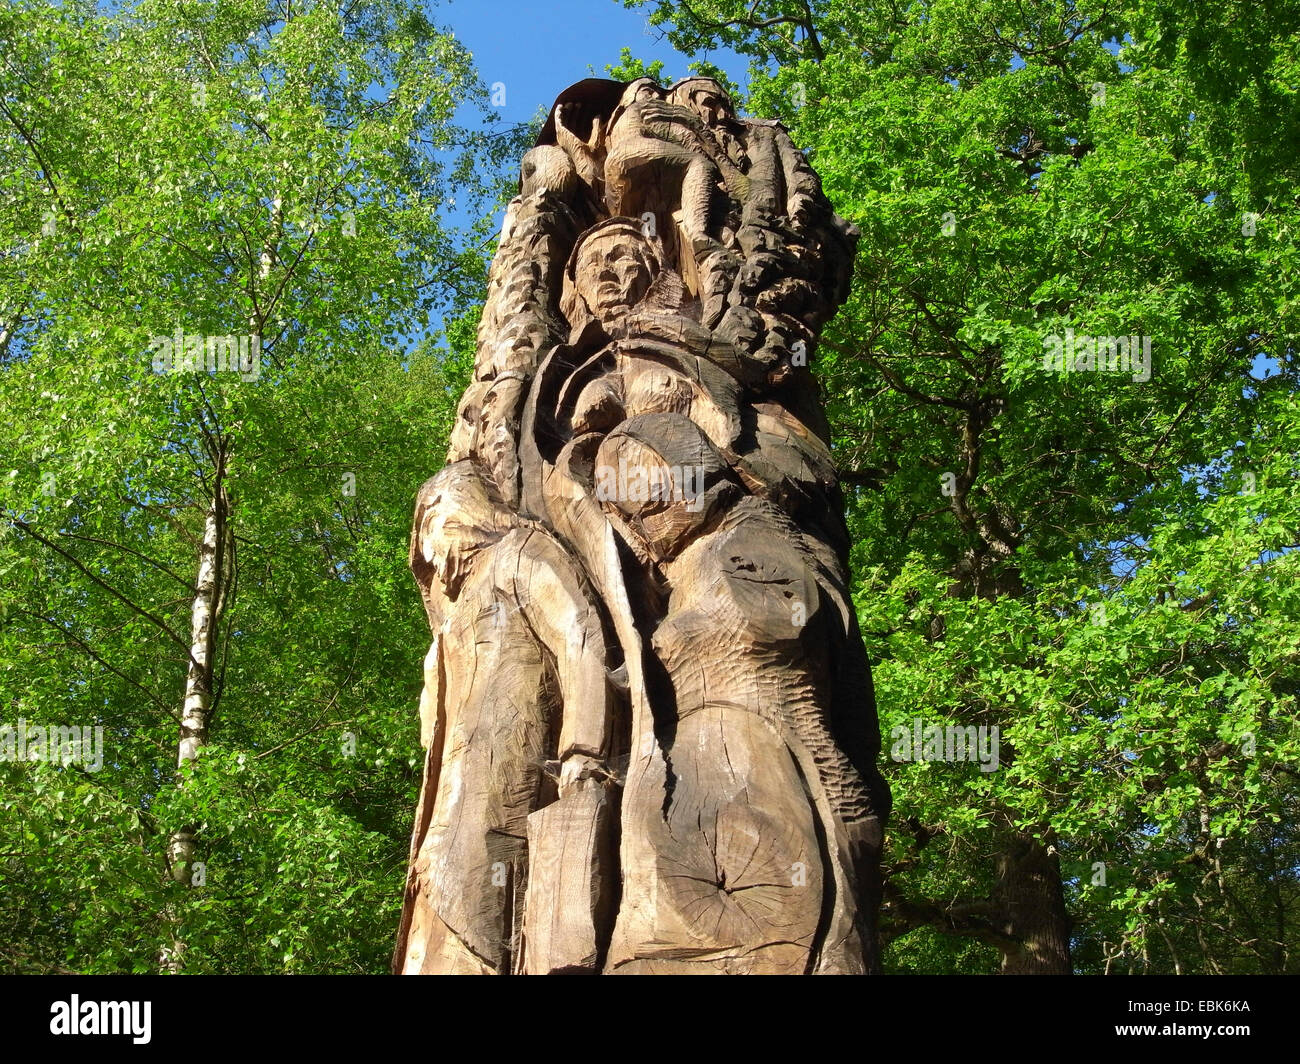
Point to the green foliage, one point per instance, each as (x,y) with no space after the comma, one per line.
(1102,568)
(629,68)
(213,168)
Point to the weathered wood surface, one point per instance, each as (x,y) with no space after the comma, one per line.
(649,723)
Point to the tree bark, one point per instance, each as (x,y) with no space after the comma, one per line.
(209,599)
(1031,905)
(648,713)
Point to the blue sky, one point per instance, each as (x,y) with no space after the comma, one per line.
(537,48)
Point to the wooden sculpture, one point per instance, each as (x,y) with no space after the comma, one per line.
(649,722)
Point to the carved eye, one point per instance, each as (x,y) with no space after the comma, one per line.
(529,169)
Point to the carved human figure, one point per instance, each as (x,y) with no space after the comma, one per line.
(710,102)
(515,678)
(646,671)
(660,156)
(765,808)
(653,364)
(746,643)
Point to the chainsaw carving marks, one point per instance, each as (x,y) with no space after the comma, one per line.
(650,730)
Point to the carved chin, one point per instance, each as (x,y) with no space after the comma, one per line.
(610,312)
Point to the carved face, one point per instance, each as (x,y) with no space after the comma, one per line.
(613,274)
(640,90)
(457,517)
(710,106)
(706,98)
(464,434)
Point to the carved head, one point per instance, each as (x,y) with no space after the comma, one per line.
(457,514)
(639,90)
(611,269)
(635,92)
(464,433)
(705,97)
(547,169)
(499,425)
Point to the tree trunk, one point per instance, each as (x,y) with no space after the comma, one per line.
(209,599)
(1027,895)
(1031,903)
(649,718)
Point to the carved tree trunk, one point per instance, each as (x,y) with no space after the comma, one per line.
(650,729)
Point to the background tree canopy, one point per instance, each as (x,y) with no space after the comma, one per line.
(214,569)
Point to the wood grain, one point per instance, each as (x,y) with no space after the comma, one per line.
(649,725)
